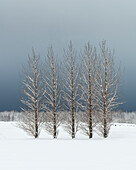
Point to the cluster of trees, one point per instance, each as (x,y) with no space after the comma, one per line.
(118,116)
(80,93)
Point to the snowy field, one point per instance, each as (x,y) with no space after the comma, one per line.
(18,151)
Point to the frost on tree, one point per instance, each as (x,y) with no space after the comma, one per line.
(106,89)
(33,92)
(87,91)
(70,91)
(52,96)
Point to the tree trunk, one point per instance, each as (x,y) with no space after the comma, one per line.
(90,119)
(105,96)
(90,103)
(36,109)
(105,122)
(54,115)
(73,116)
(54,103)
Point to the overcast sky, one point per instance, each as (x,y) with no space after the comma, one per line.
(38,23)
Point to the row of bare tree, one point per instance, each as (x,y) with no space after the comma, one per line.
(80,93)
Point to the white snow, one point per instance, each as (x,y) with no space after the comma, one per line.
(18,151)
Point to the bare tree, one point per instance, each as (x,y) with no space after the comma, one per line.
(87,88)
(33,93)
(106,89)
(70,90)
(52,96)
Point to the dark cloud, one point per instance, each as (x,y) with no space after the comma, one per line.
(38,23)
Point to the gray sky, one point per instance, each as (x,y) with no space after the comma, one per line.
(39,23)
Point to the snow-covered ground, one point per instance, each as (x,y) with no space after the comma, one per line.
(18,151)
